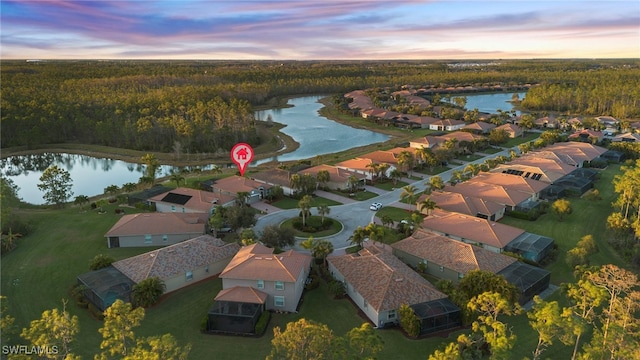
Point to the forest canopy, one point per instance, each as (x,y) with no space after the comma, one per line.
(207,106)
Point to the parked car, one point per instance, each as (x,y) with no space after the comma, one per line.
(375,206)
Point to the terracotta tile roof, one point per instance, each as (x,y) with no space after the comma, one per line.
(448,122)
(336,174)
(575,152)
(243,294)
(172,260)
(586,133)
(471,228)
(627,137)
(470,205)
(159,223)
(462,136)
(235,184)
(452,254)
(258,262)
(357,164)
(491,192)
(480,126)
(427,142)
(510,182)
(199,200)
(274,177)
(510,128)
(383,280)
(382,156)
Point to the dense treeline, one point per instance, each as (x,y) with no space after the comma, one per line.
(207,106)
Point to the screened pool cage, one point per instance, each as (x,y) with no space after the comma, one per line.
(437,315)
(104,286)
(233,317)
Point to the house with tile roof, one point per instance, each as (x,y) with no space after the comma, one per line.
(361,166)
(155,229)
(573,153)
(233,185)
(378,283)
(281,276)
(338,177)
(186,200)
(470,205)
(626,137)
(530,166)
(181,264)
(449,259)
(546,122)
(487,234)
(587,135)
(505,189)
(470,229)
(275,177)
(512,129)
(479,127)
(447,125)
(428,142)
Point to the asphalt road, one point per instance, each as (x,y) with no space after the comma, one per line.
(358,214)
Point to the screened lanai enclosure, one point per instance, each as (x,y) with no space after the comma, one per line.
(531,246)
(437,315)
(104,286)
(236,311)
(531,280)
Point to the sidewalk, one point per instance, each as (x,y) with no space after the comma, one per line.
(335,197)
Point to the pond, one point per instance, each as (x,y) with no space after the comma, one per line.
(316,135)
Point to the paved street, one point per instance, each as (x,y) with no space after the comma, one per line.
(356,213)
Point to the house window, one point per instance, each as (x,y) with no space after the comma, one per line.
(206,269)
(189,275)
(260,284)
(173,208)
(147,238)
(391,314)
(279,285)
(165,238)
(460,275)
(278,301)
(441,268)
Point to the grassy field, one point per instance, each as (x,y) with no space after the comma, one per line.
(38,274)
(291,203)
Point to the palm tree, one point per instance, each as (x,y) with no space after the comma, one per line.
(129,187)
(395,176)
(374,232)
(472,169)
(295,182)
(323,210)
(353,183)
(436,183)
(406,160)
(152,165)
(358,236)
(241,197)
(374,169)
(323,177)
(427,204)
(456,177)
(322,249)
(383,170)
(177,177)
(386,220)
(409,195)
(305,205)
(308,244)
(148,291)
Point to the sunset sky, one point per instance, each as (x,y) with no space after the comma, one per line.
(319,30)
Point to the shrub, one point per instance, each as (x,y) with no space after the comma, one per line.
(577,256)
(313,284)
(409,321)
(588,244)
(336,288)
(262,323)
(100,261)
(204,323)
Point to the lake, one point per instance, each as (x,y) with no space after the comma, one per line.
(316,135)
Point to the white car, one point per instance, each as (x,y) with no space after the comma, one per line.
(375,206)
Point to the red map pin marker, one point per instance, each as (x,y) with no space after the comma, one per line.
(242,154)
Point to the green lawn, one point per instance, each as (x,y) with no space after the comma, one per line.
(491,150)
(358,195)
(588,217)
(520,139)
(471,157)
(436,170)
(394,213)
(291,203)
(389,185)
